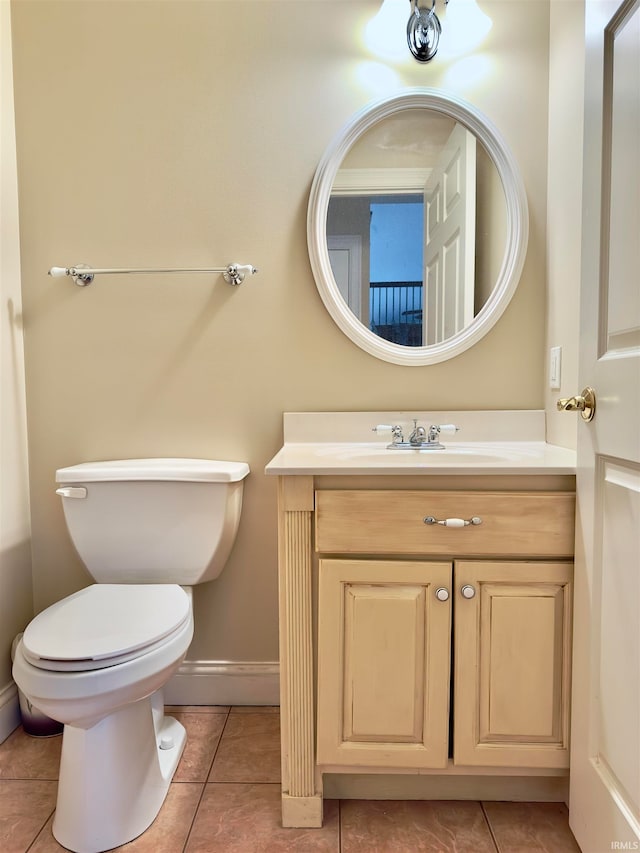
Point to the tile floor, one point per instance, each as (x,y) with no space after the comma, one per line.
(225,798)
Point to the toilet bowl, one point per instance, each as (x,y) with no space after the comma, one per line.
(97,660)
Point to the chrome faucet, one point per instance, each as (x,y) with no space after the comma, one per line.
(421,438)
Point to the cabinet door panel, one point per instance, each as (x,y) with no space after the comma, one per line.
(383,663)
(512,652)
(519,657)
(384,646)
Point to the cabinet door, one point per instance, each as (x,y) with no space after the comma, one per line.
(512,643)
(383,663)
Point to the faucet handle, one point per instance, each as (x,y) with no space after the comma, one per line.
(395,430)
(384,428)
(448,429)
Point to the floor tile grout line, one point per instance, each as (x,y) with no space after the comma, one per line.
(488,822)
(204,785)
(240,782)
(194,818)
(41,830)
(216,750)
(27,779)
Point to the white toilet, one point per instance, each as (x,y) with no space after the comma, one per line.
(147,530)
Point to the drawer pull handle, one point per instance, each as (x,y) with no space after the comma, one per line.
(453,522)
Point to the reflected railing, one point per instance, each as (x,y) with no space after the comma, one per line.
(395,311)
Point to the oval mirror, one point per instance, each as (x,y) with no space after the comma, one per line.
(417,227)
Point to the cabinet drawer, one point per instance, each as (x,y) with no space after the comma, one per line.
(392,522)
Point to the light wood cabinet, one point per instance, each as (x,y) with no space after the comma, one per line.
(380,522)
(385,679)
(384,649)
(512,671)
(383,663)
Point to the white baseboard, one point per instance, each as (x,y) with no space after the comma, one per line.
(9,710)
(211,682)
(204,682)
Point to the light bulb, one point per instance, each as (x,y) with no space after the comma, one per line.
(385,34)
(464,27)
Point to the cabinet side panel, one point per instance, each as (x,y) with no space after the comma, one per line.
(296,676)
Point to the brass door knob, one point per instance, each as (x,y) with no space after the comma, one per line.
(584,403)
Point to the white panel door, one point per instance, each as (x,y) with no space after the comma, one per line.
(449,238)
(605,754)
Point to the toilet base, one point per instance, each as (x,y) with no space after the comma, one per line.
(114,776)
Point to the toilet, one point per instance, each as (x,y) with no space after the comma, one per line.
(147,530)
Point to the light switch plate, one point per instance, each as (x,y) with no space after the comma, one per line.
(555,368)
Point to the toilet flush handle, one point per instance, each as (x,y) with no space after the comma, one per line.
(72,492)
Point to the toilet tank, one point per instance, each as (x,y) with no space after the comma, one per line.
(153,520)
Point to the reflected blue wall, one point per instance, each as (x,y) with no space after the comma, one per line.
(396,241)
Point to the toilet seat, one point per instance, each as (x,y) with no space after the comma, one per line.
(105,625)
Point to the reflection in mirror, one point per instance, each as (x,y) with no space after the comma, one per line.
(416,227)
(377,200)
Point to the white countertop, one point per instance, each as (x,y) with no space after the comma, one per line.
(325,443)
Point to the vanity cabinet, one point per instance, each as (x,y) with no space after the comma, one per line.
(384,629)
(385,654)
(390,672)
(391,631)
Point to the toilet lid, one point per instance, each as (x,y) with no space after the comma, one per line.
(105,624)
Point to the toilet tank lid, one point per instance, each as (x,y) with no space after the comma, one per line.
(186,470)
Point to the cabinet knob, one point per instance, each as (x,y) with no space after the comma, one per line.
(442,594)
(468,591)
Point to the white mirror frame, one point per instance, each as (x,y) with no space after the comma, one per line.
(517,221)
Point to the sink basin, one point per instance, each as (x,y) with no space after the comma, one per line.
(380,454)
(509,457)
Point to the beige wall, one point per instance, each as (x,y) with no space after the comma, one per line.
(188,133)
(566,86)
(16,602)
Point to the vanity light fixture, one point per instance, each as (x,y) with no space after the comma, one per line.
(466,27)
(423,29)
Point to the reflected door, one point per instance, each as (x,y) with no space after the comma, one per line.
(345,254)
(605,756)
(449,239)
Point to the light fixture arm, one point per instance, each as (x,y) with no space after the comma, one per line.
(423,30)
